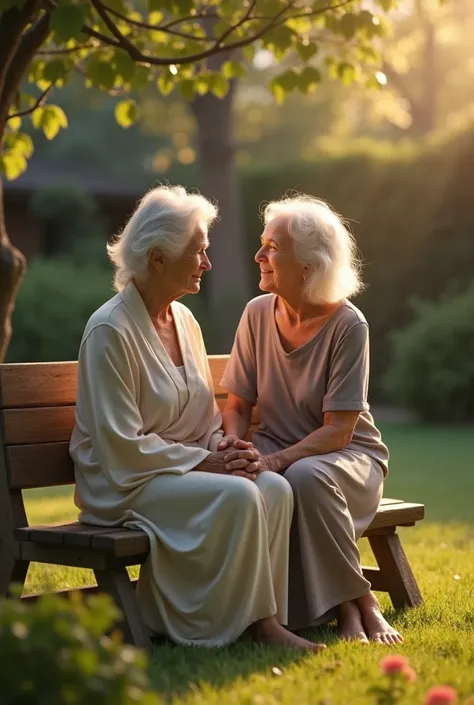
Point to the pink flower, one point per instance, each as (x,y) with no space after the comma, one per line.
(441,695)
(391,665)
(410,674)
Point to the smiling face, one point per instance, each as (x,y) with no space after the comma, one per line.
(281,272)
(183,275)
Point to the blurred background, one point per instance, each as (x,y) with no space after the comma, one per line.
(394,158)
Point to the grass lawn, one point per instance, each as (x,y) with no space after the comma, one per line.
(431,465)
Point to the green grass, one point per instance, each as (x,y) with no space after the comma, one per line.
(431,465)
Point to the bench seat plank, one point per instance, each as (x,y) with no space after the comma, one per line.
(122,542)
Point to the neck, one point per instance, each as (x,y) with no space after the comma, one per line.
(156,299)
(299,311)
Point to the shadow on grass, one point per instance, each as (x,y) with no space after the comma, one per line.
(177,670)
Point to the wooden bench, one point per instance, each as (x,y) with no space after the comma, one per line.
(36,419)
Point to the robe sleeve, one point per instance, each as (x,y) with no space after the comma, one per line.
(240,376)
(108,386)
(348,379)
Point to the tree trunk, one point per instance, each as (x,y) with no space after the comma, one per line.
(12,269)
(228,284)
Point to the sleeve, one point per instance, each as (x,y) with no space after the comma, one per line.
(108,387)
(348,379)
(240,376)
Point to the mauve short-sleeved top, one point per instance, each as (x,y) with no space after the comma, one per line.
(293,390)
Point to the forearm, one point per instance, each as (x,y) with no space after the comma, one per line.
(326,439)
(236,423)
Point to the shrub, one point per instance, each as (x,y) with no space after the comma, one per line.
(432,371)
(72,224)
(54,652)
(52,308)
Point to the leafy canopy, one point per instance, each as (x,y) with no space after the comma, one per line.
(121,46)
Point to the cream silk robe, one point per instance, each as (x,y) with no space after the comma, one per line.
(219,544)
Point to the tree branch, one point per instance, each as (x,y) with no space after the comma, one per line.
(113,29)
(63,52)
(30,43)
(38,104)
(156,27)
(216,48)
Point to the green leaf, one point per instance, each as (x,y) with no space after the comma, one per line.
(279,40)
(349,25)
(55,70)
(278,92)
(124,65)
(346,72)
(387,5)
(126,113)
(50,119)
(232,69)
(219,85)
(22,144)
(14,123)
(186,87)
(67,21)
(309,79)
(165,82)
(101,73)
(306,51)
(12,165)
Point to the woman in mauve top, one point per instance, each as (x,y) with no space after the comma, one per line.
(302,354)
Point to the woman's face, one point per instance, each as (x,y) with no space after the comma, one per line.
(280,271)
(183,275)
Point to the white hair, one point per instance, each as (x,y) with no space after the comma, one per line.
(165,219)
(322,241)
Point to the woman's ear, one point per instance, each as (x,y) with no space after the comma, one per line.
(156,259)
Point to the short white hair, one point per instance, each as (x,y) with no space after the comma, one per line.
(322,241)
(165,219)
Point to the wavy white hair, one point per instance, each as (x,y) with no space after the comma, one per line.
(322,241)
(165,219)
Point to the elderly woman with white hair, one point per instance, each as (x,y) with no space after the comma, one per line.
(302,353)
(145,444)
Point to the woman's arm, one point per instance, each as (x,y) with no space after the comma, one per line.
(335,434)
(236,422)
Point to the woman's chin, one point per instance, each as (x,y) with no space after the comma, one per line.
(265,286)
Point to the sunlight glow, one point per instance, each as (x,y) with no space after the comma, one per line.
(381,78)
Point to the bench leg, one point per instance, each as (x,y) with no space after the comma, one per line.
(117,584)
(11,571)
(395,569)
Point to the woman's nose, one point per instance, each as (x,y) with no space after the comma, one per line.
(259,256)
(206,263)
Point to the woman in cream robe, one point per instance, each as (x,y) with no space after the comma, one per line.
(218,542)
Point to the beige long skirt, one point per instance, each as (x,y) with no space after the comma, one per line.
(336,497)
(219,554)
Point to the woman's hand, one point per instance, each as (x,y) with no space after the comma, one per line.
(235,458)
(215,462)
(230,440)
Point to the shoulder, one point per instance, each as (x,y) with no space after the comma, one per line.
(258,307)
(109,328)
(349,317)
(111,315)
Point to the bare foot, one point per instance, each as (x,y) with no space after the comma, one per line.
(350,623)
(269,631)
(376,626)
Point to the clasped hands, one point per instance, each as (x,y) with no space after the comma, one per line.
(242,458)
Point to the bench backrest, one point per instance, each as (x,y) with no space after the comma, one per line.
(37,417)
